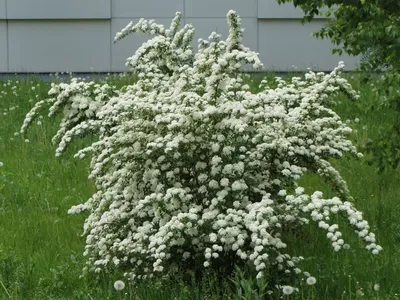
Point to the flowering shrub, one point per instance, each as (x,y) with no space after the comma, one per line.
(191,167)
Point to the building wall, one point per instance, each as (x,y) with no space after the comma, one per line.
(77,35)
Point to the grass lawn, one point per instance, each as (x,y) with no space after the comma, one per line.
(41,245)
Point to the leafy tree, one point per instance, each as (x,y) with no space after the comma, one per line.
(370,28)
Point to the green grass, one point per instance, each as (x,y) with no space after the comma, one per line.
(41,245)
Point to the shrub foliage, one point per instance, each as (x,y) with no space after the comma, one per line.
(371,29)
(193,169)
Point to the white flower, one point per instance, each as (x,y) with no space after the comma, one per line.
(1,164)
(215,147)
(119,285)
(282,193)
(376,287)
(311,280)
(287,289)
(224,182)
(299,190)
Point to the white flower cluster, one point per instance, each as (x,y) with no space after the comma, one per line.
(190,166)
(80,102)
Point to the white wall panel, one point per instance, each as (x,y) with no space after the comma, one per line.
(2,9)
(286,43)
(219,8)
(58,9)
(3,46)
(204,27)
(50,46)
(126,47)
(146,8)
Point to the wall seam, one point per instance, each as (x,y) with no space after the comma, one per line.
(111,37)
(7,40)
(258,30)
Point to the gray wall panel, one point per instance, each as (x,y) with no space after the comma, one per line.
(270,9)
(50,46)
(219,8)
(30,43)
(58,9)
(146,8)
(3,46)
(127,47)
(2,9)
(204,27)
(286,43)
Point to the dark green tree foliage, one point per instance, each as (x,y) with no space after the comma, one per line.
(370,28)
